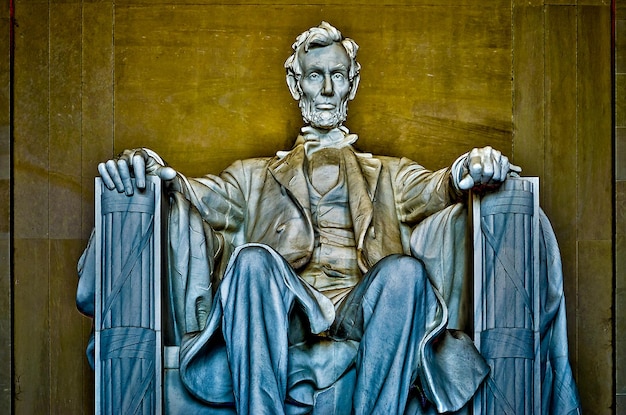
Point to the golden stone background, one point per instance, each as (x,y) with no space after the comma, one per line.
(204,85)
(201,82)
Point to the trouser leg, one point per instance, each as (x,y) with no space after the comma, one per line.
(389,311)
(257,294)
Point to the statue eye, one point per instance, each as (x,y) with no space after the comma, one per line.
(338,76)
(314,76)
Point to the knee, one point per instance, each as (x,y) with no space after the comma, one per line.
(403,265)
(251,257)
(402,271)
(251,265)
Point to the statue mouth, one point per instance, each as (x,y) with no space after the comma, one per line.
(325,107)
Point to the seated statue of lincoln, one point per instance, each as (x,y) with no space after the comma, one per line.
(316,264)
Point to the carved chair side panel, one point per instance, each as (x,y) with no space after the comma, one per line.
(506,297)
(128,301)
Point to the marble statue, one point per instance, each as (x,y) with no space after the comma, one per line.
(301,277)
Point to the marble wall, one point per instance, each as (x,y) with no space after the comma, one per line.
(563,133)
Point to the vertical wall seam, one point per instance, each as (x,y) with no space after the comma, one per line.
(544,9)
(576,230)
(12,25)
(82,199)
(613,204)
(113,75)
(49,274)
(513,129)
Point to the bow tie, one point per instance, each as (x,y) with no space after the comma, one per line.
(315,139)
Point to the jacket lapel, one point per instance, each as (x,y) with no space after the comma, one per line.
(362,176)
(289,172)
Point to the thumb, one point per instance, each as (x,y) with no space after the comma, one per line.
(466,183)
(166,173)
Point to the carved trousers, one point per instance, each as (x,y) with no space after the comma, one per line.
(388,312)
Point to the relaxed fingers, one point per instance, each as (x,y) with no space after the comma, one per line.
(124,172)
(111,167)
(104,175)
(139,168)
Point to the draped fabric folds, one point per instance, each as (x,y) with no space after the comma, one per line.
(440,242)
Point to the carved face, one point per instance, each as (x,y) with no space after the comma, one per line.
(325,86)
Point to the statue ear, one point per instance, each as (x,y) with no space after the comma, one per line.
(354,86)
(294,88)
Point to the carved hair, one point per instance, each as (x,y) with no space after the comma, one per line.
(323,35)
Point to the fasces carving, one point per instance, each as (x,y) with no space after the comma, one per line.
(507,296)
(291,286)
(127,324)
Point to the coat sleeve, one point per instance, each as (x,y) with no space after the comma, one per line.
(420,192)
(193,249)
(220,199)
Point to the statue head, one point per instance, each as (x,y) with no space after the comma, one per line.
(323,75)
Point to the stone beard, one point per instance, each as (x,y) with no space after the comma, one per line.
(323,119)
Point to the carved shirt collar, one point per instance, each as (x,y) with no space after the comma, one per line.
(314,139)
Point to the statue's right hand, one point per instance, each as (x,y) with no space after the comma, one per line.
(117,173)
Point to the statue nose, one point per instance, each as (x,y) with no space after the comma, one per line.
(327,88)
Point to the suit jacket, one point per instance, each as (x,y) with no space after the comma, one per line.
(266,200)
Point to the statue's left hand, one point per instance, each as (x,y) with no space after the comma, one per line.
(485,167)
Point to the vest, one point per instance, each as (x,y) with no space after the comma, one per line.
(333,269)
